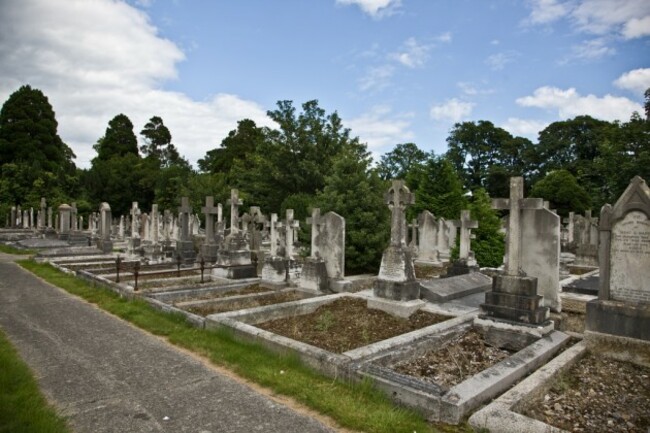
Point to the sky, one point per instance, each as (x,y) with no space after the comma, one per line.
(396,71)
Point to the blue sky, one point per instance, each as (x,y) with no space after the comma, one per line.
(395,71)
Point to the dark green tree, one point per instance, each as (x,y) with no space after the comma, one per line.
(119,139)
(439,190)
(357,194)
(34,161)
(488,243)
(240,144)
(563,191)
(400,161)
(158,143)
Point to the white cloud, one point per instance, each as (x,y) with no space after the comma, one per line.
(637,28)
(569,103)
(377,78)
(546,11)
(637,80)
(379,128)
(444,37)
(590,50)
(452,110)
(412,54)
(524,127)
(95,59)
(375,8)
(498,61)
(472,89)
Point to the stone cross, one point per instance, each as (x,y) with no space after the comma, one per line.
(398,198)
(414,232)
(274,234)
(289,226)
(184,217)
(42,215)
(209,210)
(315,221)
(155,224)
(466,224)
(234,203)
(515,204)
(135,212)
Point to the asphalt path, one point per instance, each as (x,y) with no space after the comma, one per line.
(104,375)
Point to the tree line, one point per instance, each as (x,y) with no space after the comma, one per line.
(311,160)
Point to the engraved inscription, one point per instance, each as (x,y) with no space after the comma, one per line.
(630,259)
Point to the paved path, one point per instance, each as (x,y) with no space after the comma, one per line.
(107,376)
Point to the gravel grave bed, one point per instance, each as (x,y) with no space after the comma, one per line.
(248,290)
(456,360)
(347,324)
(597,395)
(423,272)
(278,298)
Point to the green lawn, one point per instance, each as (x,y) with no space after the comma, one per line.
(7,249)
(23,408)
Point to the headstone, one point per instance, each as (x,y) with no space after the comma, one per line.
(623,305)
(234,259)
(14,218)
(31,218)
(184,245)
(25,219)
(209,248)
(134,240)
(290,225)
(104,243)
(466,262)
(49,217)
(396,278)
(120,229)
(325,268)
(586,240)
(413,242)
(19,217)
(64,221)
(444,240)
(514,298)
(73,217)
(428,239)
(274,269)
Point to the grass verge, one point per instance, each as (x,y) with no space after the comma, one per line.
(23,409)
(7,249)
(354,406)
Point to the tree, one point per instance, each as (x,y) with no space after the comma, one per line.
(439,190)
(488,243)
(34,161)
(357,194)
(119,139)
(476,149)
(238,145)
(563,191)
(397,163)
(158,143)
(647,104)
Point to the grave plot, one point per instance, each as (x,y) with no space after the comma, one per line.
(596,394)
(331,332)
(248,297)
(448,374)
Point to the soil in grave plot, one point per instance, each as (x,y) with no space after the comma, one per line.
(248,290)
(347,324)
(278,298)
(455,361)
(423,272)
(597,395)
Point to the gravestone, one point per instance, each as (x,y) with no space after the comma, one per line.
(73,217)
(396,279)
(134,240)
(104,242)
(413,241)
(13,217)
(234,259)
(514,299)
(586,240)
(184,244)
(274,269)
(540,230)
(444,240)
(622,309)
(428,239)
(466,262)
(325,268)
(209,248)
(64,221)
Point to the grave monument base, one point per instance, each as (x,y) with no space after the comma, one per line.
(185,249)
(274,271)
(209,252)
(314,275)
(235,272)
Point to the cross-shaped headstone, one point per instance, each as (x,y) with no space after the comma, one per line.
(41,221)
(315,221)
(466,224)
(184,216)
(515,204)
(398,198)
(234,203)
(414,232)
(209,210)
(274,234)
(289,226)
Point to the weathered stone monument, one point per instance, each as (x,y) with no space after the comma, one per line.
(324,269)
(512,312)
(619,321)
(104,242)
(428,239)
(42,215)
(209,248)
(134,240)
(466,262)
(64,221)
(234,259)
(585,238)
(184,244)
(396,278)
(274,270)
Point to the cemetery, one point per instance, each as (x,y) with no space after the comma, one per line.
(517,348)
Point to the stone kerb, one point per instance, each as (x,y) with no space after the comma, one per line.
(623,305)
